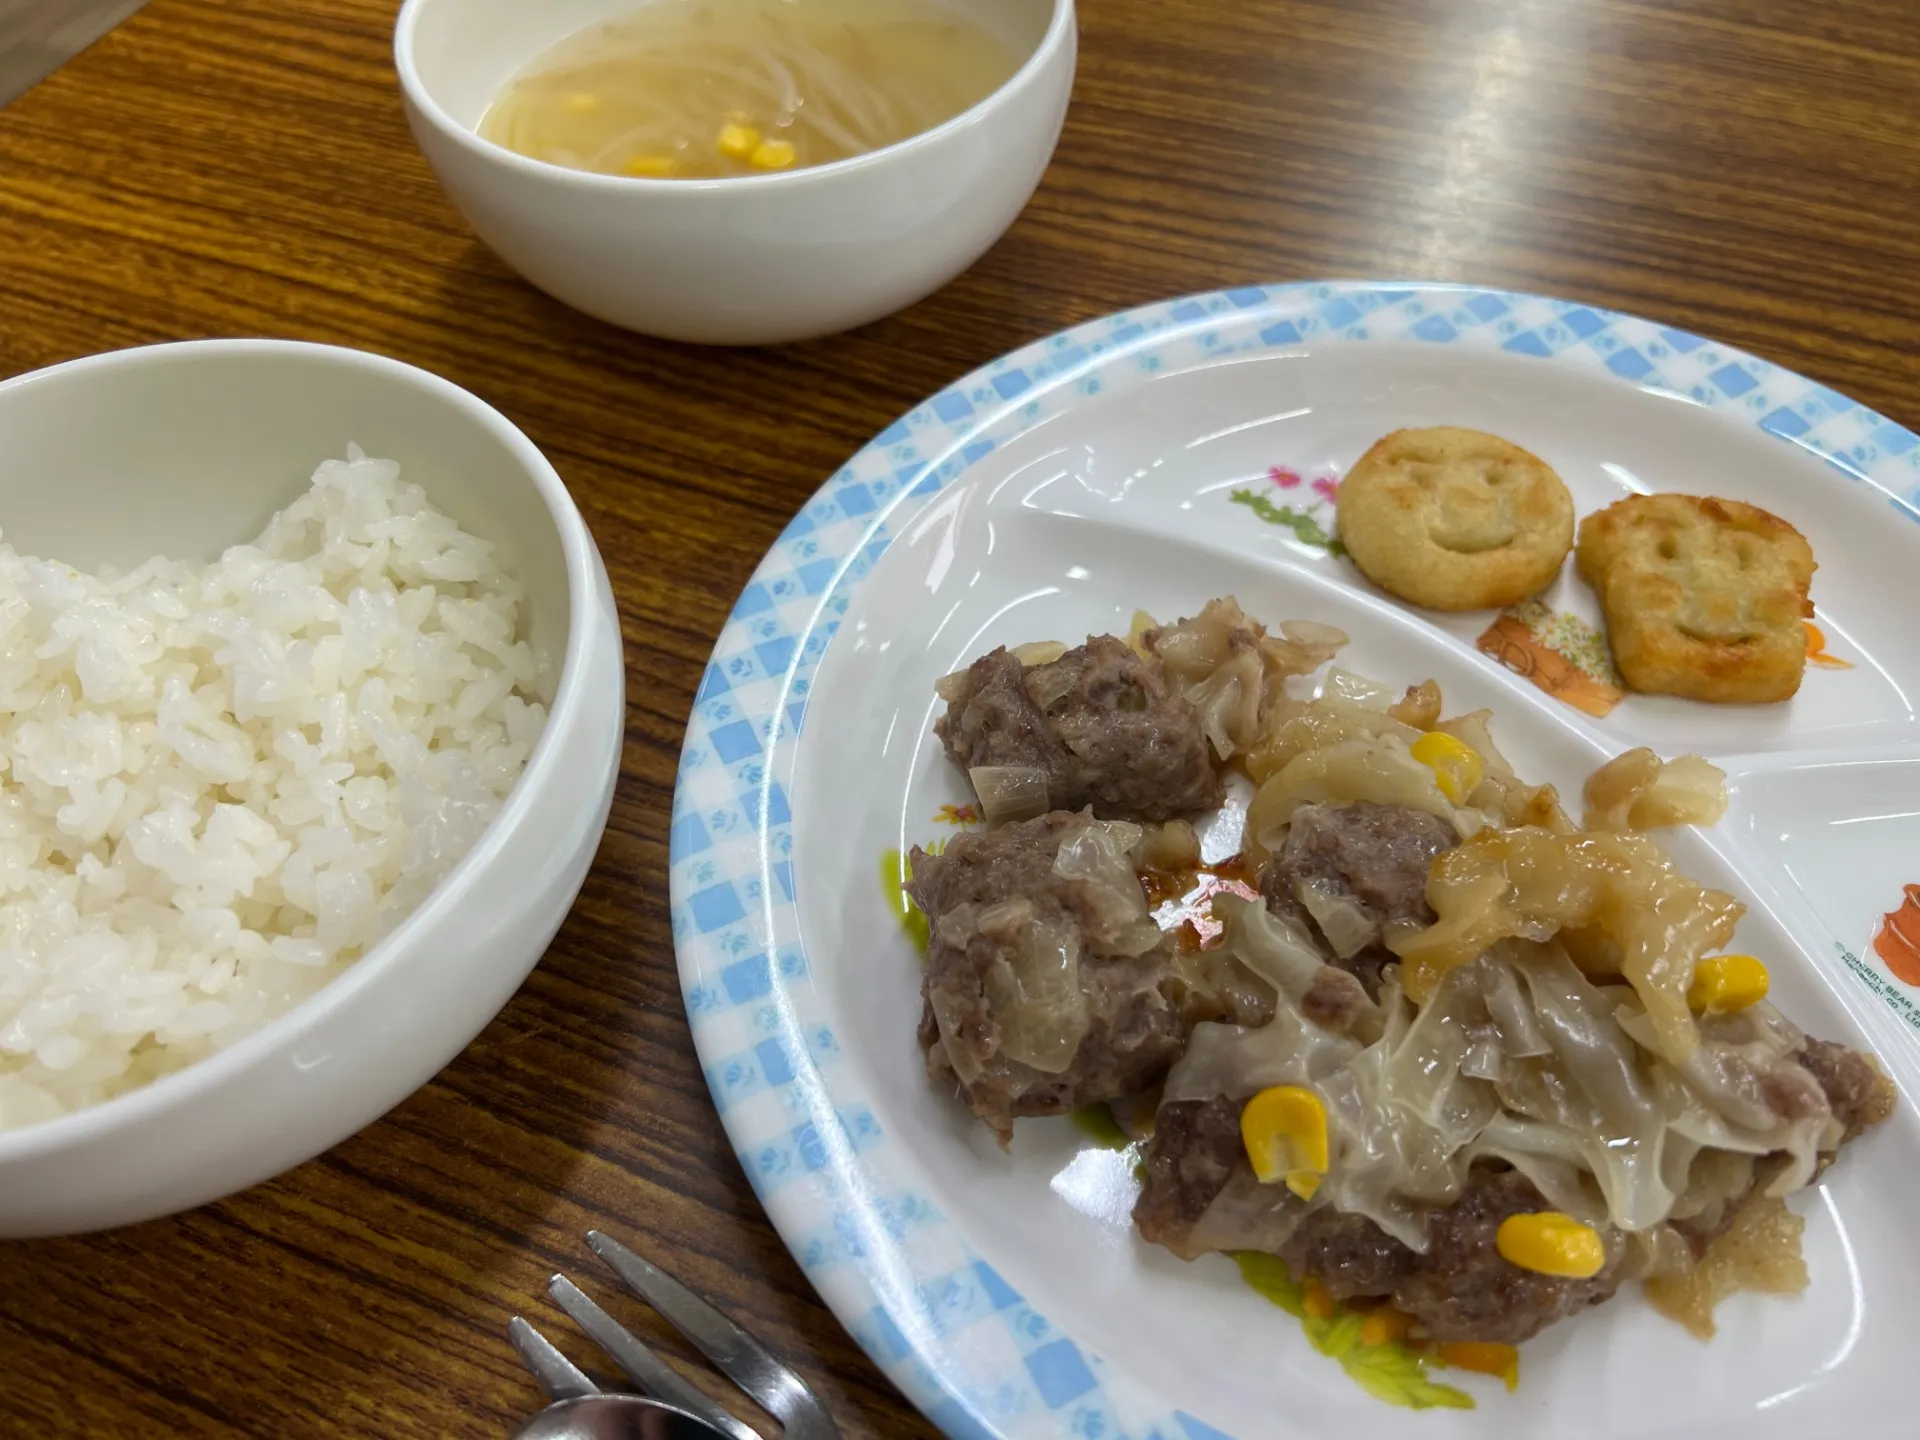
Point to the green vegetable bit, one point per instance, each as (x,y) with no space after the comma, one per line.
(1389,1372)
(1098,1124)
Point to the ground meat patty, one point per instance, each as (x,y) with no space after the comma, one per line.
(1195,1150)
(1099,721)
(987,895)
(1376,856)
(1461,1288)
(1859,1094)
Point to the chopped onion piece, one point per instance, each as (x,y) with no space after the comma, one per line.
(1351,689)
(1038,652)
(1636,790)
(1419,707)
(1137,634)
(1312,632)
(1172,846)
(951,687)
(1049,683)
(1760,1252)
(1010,792)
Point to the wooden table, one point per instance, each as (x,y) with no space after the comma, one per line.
(1744,168)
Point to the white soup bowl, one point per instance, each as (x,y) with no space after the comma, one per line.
(752,260)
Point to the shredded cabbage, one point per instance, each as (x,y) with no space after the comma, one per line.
(1501,792)
(1239,1060)
(1345,922)
(1619,894)
(1229,703)
(1381,770)
(1113,906)
(1275,949)
(1229,667)
(1541,1022)
(1517,1057)
(1293,728)
(1036,993)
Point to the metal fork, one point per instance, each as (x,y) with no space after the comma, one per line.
(733,1352)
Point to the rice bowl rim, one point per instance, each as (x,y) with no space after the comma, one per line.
(576,544)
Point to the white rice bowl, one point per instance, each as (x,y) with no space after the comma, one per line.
(220,784)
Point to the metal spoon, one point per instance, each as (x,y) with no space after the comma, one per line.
(615,1417)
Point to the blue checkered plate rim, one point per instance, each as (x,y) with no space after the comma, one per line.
(956,1336)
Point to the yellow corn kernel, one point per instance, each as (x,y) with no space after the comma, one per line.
(1500,1361)
(1385,1326)
(1723,984)
(1315,1300)
(1284,1129)
(738,141)
(649,167)
(773,155)
(1550,1243)
(1456,766)
(581,102)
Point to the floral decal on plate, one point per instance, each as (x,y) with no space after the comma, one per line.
(1559,652)
(1817,650)
(1568,658)
(1898,942)
(957,815)
(1371,1343)
(1307,513)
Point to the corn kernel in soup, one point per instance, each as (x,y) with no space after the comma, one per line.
(702,89)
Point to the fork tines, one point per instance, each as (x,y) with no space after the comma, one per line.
(733,1352)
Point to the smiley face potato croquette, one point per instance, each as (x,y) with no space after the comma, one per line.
(1455,519)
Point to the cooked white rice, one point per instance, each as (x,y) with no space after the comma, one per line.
(219,784)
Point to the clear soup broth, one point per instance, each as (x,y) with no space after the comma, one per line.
(703,89)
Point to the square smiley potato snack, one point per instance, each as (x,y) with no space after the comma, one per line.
(1455,519)
(1704,598)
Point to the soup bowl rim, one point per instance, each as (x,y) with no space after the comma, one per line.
(1060,28)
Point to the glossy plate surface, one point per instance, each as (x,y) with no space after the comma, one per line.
(1152,460)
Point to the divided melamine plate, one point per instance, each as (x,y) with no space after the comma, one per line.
(1155,459)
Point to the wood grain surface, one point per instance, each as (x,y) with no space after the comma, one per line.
(1743,168)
